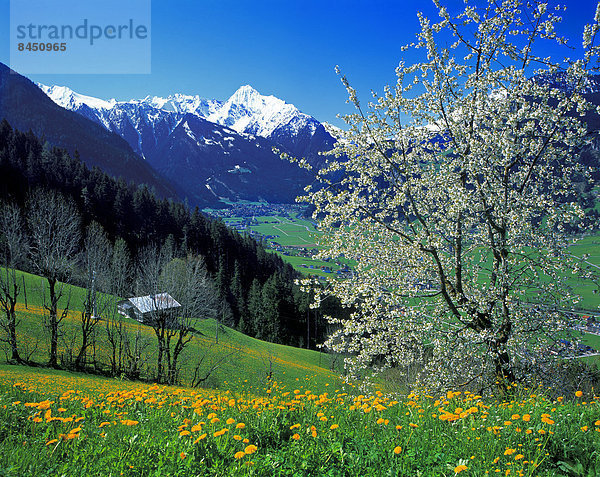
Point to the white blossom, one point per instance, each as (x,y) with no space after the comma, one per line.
(450,193)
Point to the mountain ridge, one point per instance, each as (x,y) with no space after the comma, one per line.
(26,107)
(238,134)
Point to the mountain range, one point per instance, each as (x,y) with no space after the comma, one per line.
(210,149)
(27,108)
(186,147)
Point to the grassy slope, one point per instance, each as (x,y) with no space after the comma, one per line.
(237,357)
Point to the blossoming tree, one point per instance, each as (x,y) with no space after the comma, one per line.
(451,191)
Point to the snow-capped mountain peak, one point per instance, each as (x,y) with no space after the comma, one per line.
(255,102)
(248,111)
(183,103)
(67,98)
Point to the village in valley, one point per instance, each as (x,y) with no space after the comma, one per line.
(283,229)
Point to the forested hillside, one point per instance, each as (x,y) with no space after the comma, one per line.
(255,288)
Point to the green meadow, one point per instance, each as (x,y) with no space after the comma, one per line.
(234,358)
(60,423)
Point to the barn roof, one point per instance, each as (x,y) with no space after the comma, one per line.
(149,303)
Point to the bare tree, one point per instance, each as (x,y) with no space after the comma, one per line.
(187,282)
(135,356)
(121,275)
(149,283)
(54,226)
(96,257)
(14,248)
(116,333)
(190,283)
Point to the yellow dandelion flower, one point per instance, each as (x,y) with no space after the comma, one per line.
(237,437)
(526,417)
(52,441)
(240,425)
(251,449)
(412,425)
(519,456)
(459,468)
(182,455)
(240,455)
(584,428)
(333,426)
(184,433)
(547,420)
(296,437)
(203,436)
(230,421)
(514,417)
(197,428)
(509,451)
(42,406)
(127,422)
(577,393)
(104,424)
(397,450)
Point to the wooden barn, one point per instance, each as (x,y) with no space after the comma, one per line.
(144,308)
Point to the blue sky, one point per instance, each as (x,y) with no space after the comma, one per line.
(287,48)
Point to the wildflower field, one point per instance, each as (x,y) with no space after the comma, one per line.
(56,423)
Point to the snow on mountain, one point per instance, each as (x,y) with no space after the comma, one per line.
(196,141)
(69,99)
(183,103)
(247,111)
(560,80)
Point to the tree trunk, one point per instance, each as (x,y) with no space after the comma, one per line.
(12,336)
(80,360)
(504,373)
(53,362)
(159,361)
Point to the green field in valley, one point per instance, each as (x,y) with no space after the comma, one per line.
(293,234)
